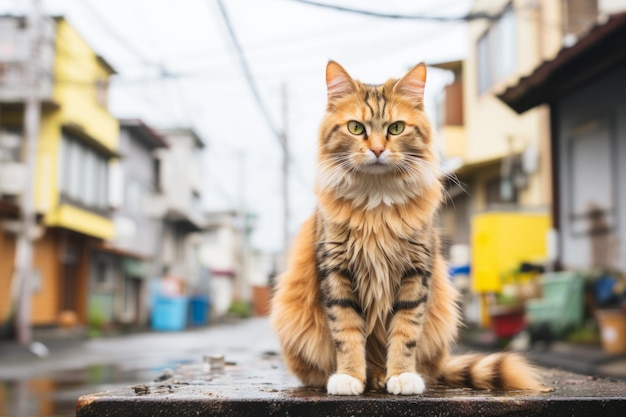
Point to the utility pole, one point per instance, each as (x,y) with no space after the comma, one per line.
(242,273)
(285,176)
(24,249)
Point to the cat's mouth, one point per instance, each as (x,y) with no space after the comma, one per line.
(376,167)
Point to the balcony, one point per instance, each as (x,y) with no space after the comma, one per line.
(14,82)
(16,61)
(450,113)
(452,129)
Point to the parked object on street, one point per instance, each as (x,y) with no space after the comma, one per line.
(169,313)
(506,321)
(501,241)
(612,330)
(261,300)
(199,307)
(561,304)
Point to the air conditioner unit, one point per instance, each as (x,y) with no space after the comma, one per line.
(12,178)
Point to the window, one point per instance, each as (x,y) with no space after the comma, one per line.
(135,197)
(496,51)
(83,173)
(103,279)
(196,203)
(156,172)
(484,68)
(10,145)
(102,92)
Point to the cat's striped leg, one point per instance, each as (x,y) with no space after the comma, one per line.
(347,329)
(403,336)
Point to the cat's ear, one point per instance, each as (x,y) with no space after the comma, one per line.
(338,81)
(412,85)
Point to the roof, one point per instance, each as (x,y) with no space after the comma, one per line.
(144,133)
(470,168)
(103,62)
(455,65)
(108,67)
(599,50)
(184,131)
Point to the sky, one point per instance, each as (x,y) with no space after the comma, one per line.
(178,67)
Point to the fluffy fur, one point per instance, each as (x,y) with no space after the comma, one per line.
(366,300)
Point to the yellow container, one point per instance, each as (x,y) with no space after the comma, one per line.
(501,241)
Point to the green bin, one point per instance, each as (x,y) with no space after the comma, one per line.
(561,305)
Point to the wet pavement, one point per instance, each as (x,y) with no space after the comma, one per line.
(260,386)
(50,386)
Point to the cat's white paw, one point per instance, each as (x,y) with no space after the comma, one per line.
(344,384)
(407,383)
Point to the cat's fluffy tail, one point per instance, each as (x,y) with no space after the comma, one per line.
(507,371)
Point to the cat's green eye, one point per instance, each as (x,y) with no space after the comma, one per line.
(355,127)
(396,128)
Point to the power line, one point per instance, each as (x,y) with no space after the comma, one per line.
(164,74)
(176,81)
(371,13)
(119,38)
(249,78)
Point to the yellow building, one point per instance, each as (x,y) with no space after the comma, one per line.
(77,144)
(502,159)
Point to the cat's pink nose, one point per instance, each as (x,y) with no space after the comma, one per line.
(377,150)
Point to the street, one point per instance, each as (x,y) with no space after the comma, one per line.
(30,386)
(50,386)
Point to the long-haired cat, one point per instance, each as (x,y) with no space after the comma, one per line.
(366,300)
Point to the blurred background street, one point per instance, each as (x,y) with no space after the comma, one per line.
(49,386)
(158,157)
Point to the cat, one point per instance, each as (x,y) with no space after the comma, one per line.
(366,301)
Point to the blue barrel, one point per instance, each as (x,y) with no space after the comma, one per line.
(169,313)
(199,310)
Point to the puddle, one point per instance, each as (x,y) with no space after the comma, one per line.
(55,394)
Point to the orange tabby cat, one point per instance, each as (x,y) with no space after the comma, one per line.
(366,299)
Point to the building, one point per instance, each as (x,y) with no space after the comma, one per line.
(584,88)
(238,273)
(501,158)
(222,254)
(122,267)
(78,142)
(178,202)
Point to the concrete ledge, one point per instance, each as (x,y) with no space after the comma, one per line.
(263,388)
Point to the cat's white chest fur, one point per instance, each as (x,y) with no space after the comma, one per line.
(371,191)
(379,260)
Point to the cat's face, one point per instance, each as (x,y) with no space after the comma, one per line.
(376,130)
